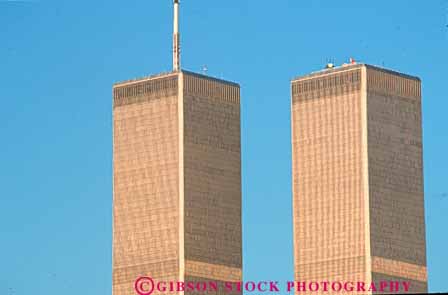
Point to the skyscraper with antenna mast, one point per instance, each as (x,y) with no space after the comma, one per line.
(177,177)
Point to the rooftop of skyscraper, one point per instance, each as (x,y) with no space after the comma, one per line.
(330,68)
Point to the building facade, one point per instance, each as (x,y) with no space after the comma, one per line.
(358,206)
(177,180)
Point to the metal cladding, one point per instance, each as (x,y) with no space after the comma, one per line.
(358,204)
(177,180)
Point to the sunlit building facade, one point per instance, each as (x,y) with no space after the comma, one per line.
(177,180)
(358,206)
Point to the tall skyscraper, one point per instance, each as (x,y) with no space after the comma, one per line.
(177,178)
(358,204)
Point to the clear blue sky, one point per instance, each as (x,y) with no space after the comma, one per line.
(59,59)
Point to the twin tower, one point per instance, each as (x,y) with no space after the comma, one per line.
(358,209)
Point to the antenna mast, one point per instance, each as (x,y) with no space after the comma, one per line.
(176,38)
